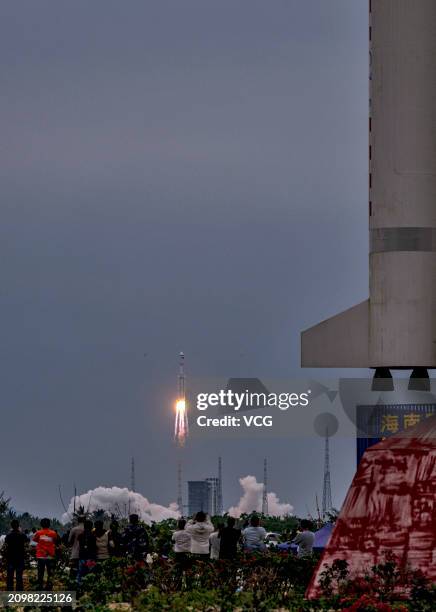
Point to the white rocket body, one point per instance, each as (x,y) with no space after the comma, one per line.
(396,327)
(181,379)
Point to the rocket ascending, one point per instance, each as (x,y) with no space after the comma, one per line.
(181,421)
(396,326)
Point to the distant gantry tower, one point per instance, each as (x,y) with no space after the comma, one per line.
(327,489)
(132,475)
(179,487)
(265,483)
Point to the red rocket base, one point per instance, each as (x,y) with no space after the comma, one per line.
(390,508)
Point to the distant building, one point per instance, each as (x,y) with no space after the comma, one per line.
(203,495)
(199,496)
(214,484)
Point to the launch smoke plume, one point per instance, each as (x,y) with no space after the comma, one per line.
(121,503)
(251,500)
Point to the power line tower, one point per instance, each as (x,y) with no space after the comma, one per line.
(327,489)
(265,483)
(132,475)
(179,487)
(220,487)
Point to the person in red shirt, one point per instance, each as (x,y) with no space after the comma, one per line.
(46,541)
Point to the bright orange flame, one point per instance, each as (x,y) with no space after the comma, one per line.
(180,405)
(181,422)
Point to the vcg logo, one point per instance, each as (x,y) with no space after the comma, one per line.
(258,420)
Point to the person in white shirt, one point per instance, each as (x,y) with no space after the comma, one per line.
(73,541)
(215,543)
(102,541)
(200,529)
(181,539)
(182,547)
(254,535)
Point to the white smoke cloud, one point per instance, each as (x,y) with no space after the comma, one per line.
(121,503)
(251,500)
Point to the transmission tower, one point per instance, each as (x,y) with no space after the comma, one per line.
(265,483)
(132,475)
(327,489)
(179,487)
(220,487)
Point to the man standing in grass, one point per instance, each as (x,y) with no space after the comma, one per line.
(15,553)
(73,541)
(46,541)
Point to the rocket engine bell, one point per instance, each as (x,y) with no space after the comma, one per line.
(396,326)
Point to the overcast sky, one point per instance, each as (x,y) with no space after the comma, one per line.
(175,175)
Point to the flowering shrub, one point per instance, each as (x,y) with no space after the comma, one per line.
(368,603)
(253,582)
(384,588)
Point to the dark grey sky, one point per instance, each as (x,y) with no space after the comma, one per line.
(174,175)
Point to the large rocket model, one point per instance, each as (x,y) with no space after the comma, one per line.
(396,326)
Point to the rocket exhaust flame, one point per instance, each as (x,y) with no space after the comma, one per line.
(181,429)
(181,423)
